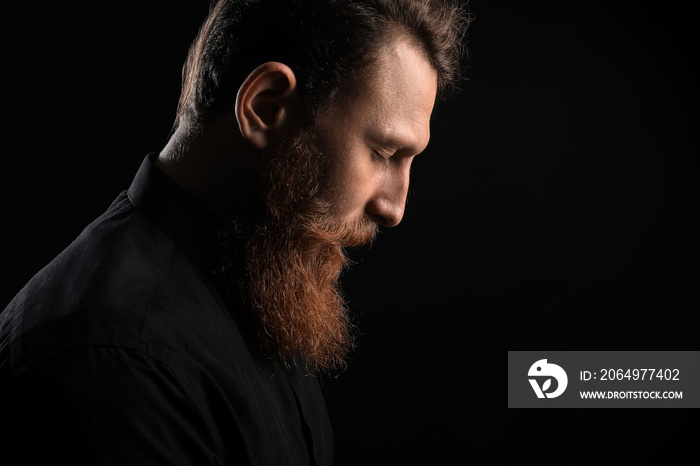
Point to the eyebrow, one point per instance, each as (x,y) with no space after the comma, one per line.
(397,140)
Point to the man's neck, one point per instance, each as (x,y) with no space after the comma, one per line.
(216,165)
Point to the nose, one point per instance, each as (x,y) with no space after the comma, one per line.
(387,205)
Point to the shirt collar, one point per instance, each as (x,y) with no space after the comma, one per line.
(175,211)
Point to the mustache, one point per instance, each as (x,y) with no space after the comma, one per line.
(355,232)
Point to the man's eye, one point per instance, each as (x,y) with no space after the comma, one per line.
(381,156)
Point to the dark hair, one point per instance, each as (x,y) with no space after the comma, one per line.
(325,43)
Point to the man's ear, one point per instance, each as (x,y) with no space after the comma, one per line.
(265,102)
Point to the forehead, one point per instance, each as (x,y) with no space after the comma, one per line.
(395,99)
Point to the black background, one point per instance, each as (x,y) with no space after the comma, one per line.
(554,208)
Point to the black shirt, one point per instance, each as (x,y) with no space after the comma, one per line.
(121,351)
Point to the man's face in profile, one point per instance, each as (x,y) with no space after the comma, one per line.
(373,133)
(325,189)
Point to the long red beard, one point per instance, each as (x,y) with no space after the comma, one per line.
(293,259)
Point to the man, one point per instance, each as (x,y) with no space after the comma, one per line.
(187,323)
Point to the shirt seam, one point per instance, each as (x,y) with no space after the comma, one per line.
(156,284)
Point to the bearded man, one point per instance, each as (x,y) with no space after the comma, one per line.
(187,323)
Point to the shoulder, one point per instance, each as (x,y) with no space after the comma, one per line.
(105,288)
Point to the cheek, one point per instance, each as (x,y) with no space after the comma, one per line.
(352,181)
(351,168)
